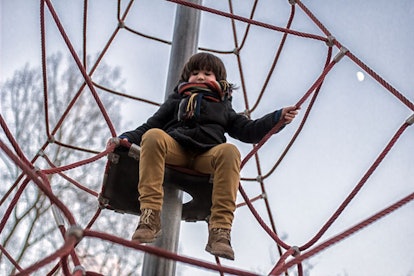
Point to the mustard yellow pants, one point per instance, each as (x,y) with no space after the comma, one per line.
(223,161)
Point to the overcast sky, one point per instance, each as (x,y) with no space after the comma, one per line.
(353,118)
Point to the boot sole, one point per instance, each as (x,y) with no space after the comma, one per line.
(219,254)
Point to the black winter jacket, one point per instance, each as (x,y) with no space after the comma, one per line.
(208,129)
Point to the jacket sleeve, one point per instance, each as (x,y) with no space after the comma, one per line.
(159,119)
(251,131)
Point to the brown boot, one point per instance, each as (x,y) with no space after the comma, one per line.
(219,243)
(149,227)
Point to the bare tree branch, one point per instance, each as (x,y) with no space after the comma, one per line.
(32,230)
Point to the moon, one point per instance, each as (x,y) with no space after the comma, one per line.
(360,76)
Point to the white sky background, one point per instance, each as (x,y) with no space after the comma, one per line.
(350,125)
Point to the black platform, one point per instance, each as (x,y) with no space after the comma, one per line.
(119,189)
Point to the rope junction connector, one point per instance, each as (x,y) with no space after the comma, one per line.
(259,178)
(51,139)
(121,24)
(330,41)
(296,251)
(79,268)
(410,120)
(134,151)
(41,153)
(75,231)
(341,54)
(115,140)
(103,202)
(58,216)
(292,2)
(246,113)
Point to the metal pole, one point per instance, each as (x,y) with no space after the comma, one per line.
(184,45)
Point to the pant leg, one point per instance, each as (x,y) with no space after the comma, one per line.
(224,162)
(157,148)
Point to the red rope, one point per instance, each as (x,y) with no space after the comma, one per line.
(276,59)
(81,68)
(13,204)
(363,66)
(346,233)
(246,20)
(13,142)
(63,251)
(40,179)
(77,164)
(281,122)
(44,66)
(10,258)
(381,81)
(313,18)
(356,189)
(260,220)
(74,182)
(166,254)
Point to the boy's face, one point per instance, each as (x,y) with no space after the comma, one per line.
(202,76)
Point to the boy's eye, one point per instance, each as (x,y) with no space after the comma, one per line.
(206,73)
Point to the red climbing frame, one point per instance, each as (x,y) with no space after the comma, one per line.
(197,209)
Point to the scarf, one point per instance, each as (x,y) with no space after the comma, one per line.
(195,92)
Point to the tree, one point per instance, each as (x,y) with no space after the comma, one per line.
(31,231)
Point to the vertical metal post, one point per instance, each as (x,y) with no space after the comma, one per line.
(184,45)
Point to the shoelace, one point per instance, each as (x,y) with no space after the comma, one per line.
(146,216)
(222,233)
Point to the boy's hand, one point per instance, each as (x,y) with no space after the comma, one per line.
(289,113)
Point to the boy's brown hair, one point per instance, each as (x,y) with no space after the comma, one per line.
(204,61)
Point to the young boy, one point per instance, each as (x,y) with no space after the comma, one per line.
(188,130)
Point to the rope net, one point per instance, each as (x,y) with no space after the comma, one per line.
(275,172)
